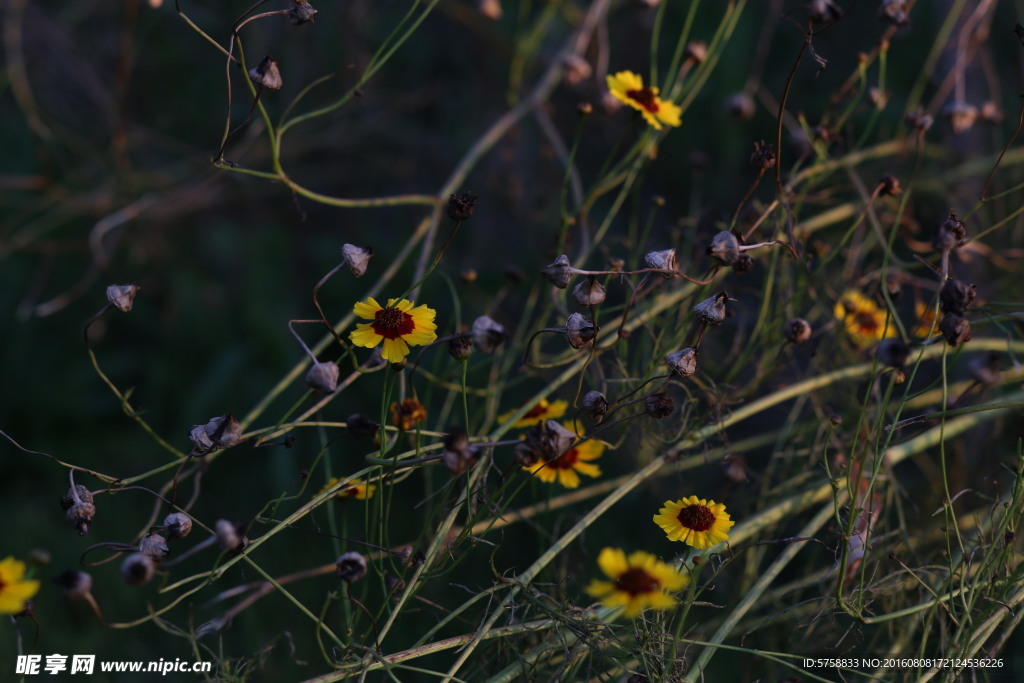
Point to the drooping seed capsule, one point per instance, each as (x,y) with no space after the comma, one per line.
(266,75)
(301,12)
(590,292)
(955,329)
(75,585)
(323,377)
(137,569)
(579,331)
(220,432)
(661,260)
(956,297)
(460,206)
(230,536)
(559,273)
(356,259)
(892,352)
(351,567)
(595,403)
(683,362)
(154,546)
(80,508)
(459,455)
(122,297)
(659,405)
(725,248)
(798,330)
(460,347)
(740,106)
(487,334)
(178,525)
(712,310)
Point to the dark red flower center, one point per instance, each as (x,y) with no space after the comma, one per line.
(566,460)
(645,97)
(696,517)
(636,581)
(866,322)
(349,492)
(392,323)
(537,410)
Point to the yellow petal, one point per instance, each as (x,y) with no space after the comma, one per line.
(365,336)
(568,478)
(394,350)
(587,469)
(612,562)
(598,589)
(366,310)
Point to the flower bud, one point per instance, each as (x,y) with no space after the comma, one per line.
(301,12)
(459,455)
(661,260)
(154,546)
(683,362)
(740,106)
(590,292)
(955,329)
(892,352)
(579,331)
(558,273)
(659,405)
(595,403)
(230,536)
(712,310)
(122,296)
(798,330)
(956,297)
(266,75)
(323,377)
(178,525)
(137,569)
(351,567)
(460,206)
(984,368)
(725,248)
(80,508)
(460,347)
(487,334)
(356,259)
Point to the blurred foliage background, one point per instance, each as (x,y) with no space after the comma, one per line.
(112,113)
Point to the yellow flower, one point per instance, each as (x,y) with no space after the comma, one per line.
(407,414)
(863,320)
(567,467)
(542,412)
(628,88)
(359,490)
(638,581)
(926,318)
(15,591)
(697,522)
(398,324)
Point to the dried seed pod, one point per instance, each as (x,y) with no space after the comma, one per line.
(950,234)
(889,186)
(546,440)
(894,12)
(460,206)
(122,296)
(590,292)
(743,264)
(892,352)
(740,106)
(575,69)
(984,367)
(734,467)
(712,310)
(74,584)
(323,377)
(661,260)
(683,362)
(595,403)
(487,334)
(359,425)
(407,414)
(894,282)
(154,546)
(266,75)
(301,12)
(798,330)
(459,455)
(220,432)
(961,116)
(919,120)
(659,405)
(559,273)
(80,508)
(696,51)
(725,248)
(956,297)
(460,347)
(763,157)
(356,259)
(351,567)
(137,569)
(490,9)
(955,329)
(230,536)
(824,10)
(579,331)
(178,525)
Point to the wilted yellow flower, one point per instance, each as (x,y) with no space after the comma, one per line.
(398,324)
(638,581)
(628,88)
(407,414)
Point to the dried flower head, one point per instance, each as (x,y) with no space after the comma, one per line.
(487,334)
(696,51)
(230,536)
(712,310)
(950,234)
(955,329)
(491,9)
(919,120)
(889,186)
(266,75)
(80,508)
(220,432)
(579,330)
(75,585)
(460,206)
(122,297)
(460,347)
(137,569)
(763,157)
(725,248)
(895,12)
(356,259)
(575,69)
(595,403)
(628,88)
(659,405)
(960,115)
(798,331)
(683,362)
(559,273)
(892,352)
(407,414)
(351,567)
(178,525)
(459,455)
(661,260)
(590,292)
(824,10)
(154,546)
(956,297)
(740,106)
(566,466)
(301,12)
(544,441)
